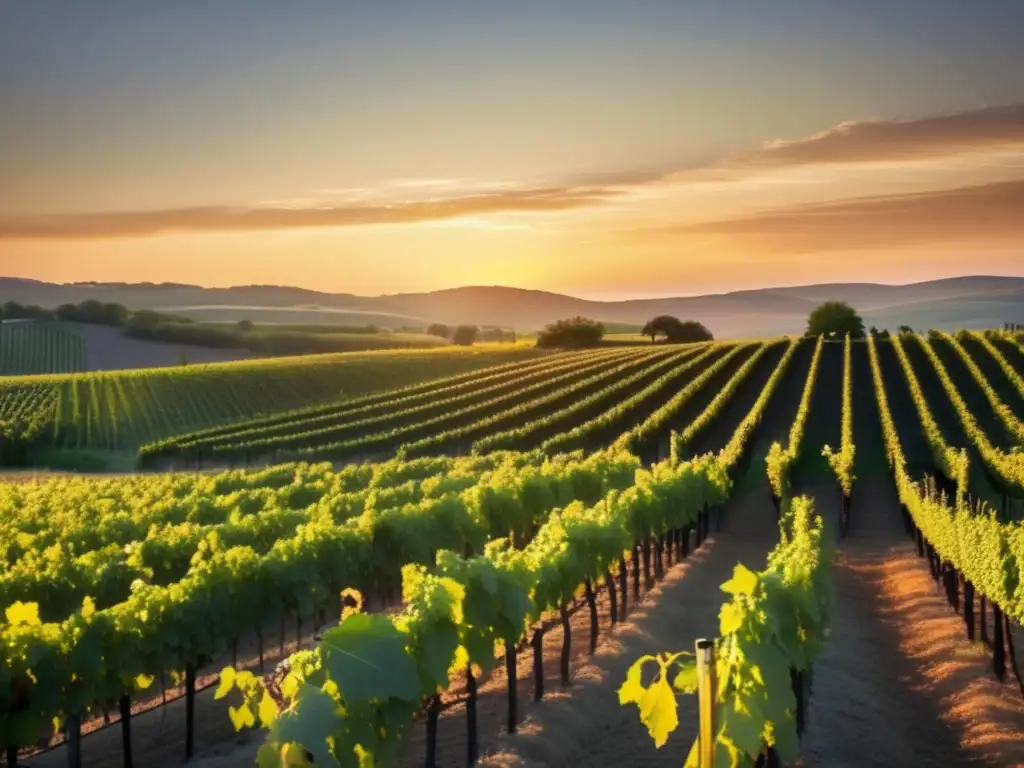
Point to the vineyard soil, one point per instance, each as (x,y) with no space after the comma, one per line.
(588,727)
(897,682)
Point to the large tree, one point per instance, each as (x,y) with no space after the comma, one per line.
(575,332)
(439,329)
(465,335)
(835,317)
(675,330)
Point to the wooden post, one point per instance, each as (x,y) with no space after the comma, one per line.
(998,645)
(125,708)
(592,604)
(566,646)
(636,572)
(190,709)
(510,670)
(984,620)
(472,751)
(433,709)
(538,663)
(969,609)
(609,582)
(648,581)
(623,586)
(706,692)
(73,730)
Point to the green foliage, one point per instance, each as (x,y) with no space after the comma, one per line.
(842,461)
(675,331)
(780,460)
(33,347)
(439,329)
(612,420)
(835,318)
(990,554)
(573,333)
(465,335)
(775,621)
(951,462)
(1006,468)
(125,409)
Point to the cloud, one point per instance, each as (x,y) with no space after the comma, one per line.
(988,212)
(288,215)
(886,140)
(406,201)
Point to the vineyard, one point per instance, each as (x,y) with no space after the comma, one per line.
(408,570)
(32,348)
(120,410)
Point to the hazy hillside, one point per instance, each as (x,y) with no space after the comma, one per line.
(971,302)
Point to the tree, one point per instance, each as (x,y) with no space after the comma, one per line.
(676,331)
(144,320)
(68,313)
(464,335)
(662,325)
(244,325)
(439,329)
(835,317)
(905,329)
(571,333)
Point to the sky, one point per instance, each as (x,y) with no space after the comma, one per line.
(607,150)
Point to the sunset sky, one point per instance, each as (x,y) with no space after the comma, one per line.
(607,150)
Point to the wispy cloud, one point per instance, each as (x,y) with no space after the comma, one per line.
(987,212)
(857,144)
(288,215)
(987,128)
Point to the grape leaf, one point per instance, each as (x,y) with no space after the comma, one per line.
(227,682)
(658,711)
(366,657)
(730,619)
(268,710)
(312,720)
(242,717)
(632,690)
(743,581)
(22,613)
(745,724)
(437,649)
(686,680)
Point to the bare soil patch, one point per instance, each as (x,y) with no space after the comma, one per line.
(898,683)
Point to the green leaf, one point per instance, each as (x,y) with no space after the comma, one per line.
(437,650)
(23,613)
(227,682)
(269,756)
(366,657)
(312,720)
(242,717)
(632,690)
(268,710)
(745,724)
(658,711)
(686,680)
(142,682)
(743,581)
(730,619)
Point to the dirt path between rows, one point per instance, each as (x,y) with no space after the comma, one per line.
(898,683)
(586,725)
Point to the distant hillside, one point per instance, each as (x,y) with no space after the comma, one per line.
(964,302)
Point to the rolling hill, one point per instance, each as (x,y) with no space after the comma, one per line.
(963,302)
